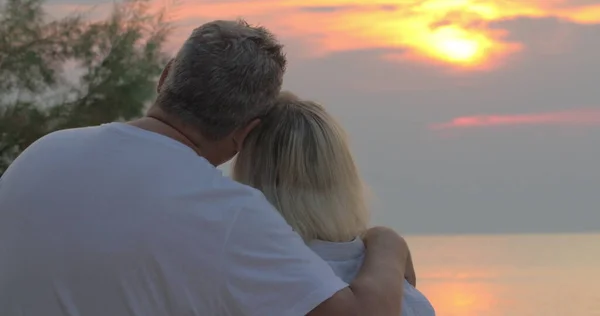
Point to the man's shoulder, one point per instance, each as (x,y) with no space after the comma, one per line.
(241,208)
(72,132)
(252,212)
(203,189)
(212,208)
(53,148)
(61,135)
(233,193)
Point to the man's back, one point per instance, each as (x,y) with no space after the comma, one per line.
(116,220)
(110,234)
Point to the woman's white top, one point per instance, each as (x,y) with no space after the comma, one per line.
(346,259)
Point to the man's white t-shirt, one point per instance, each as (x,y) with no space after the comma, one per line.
(115,220)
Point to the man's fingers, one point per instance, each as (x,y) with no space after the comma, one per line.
(409,272)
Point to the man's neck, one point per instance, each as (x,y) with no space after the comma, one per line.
(156,124)
(158,121)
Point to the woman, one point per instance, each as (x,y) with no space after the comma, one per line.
(299,158)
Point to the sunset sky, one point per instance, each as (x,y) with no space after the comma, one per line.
(466,116)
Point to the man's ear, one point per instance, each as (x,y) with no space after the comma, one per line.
(163,75)
(243,133)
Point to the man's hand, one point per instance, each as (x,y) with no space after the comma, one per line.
(395,243)
(401,247)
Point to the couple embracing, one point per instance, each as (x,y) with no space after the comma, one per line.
(134,218)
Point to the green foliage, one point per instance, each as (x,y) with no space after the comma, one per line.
(119,60)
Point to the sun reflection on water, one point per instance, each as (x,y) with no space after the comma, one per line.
(460,298)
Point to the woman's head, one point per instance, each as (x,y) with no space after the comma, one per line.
(300,159)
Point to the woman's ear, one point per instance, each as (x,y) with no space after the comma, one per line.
(242,133)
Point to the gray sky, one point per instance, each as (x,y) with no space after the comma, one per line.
(513,84)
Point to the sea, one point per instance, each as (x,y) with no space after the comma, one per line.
(509,275)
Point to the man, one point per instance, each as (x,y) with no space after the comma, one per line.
(134,219)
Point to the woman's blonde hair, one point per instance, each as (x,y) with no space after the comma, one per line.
(300,159)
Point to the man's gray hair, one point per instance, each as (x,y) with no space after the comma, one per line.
(226,74)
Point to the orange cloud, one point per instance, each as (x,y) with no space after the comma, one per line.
(575,117)
(453,32)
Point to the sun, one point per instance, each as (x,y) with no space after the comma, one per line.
(457,45)
(459,50)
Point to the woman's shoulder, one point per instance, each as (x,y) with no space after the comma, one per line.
(415,303)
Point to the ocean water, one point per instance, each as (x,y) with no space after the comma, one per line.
(509,275)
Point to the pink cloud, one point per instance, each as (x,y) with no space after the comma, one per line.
(572,117)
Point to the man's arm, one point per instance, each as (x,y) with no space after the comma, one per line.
(378,288)
(269,270)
